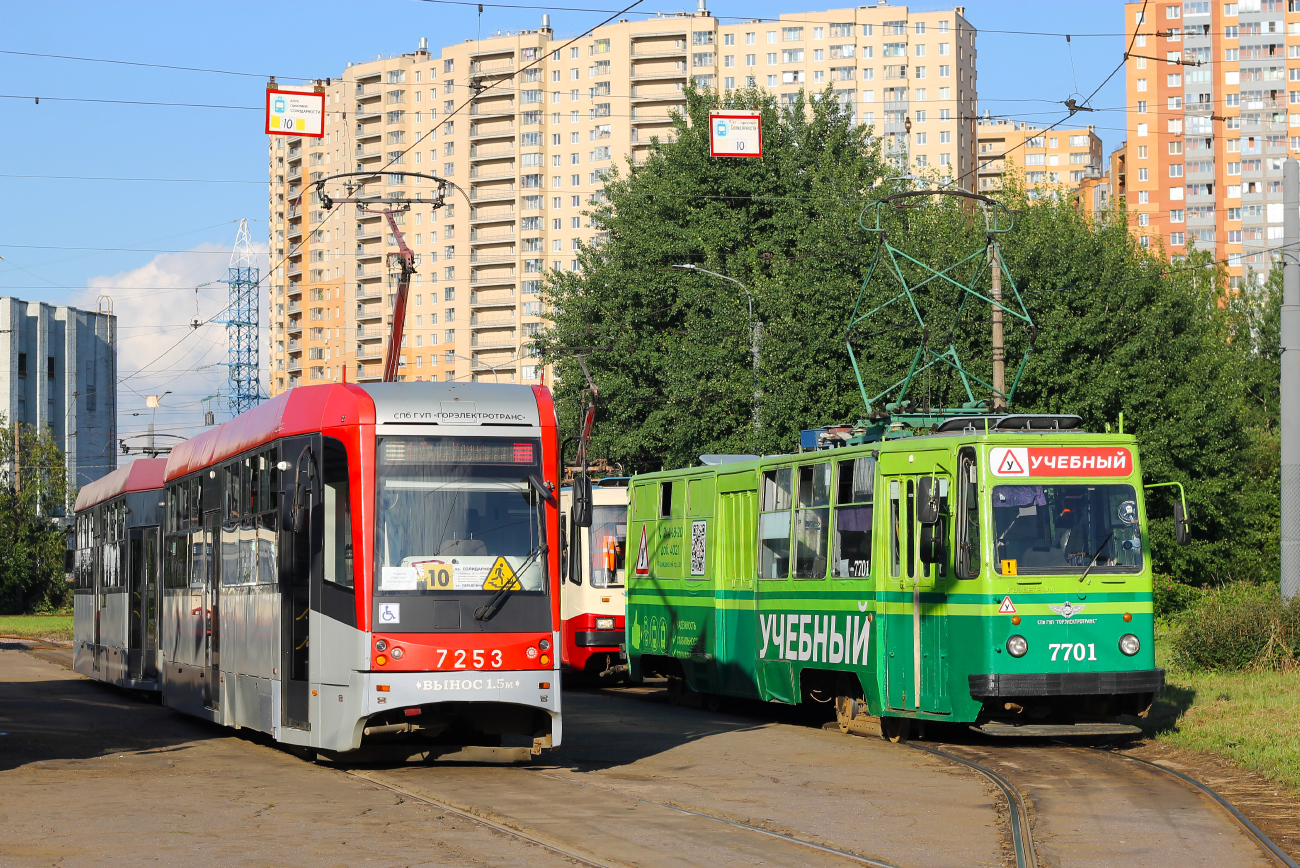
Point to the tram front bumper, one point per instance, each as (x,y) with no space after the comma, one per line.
(1044,684)
(536,688)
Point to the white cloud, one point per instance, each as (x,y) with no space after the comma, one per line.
(154,305)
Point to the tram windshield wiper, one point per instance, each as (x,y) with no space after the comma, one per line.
(1096,555)
(490,608)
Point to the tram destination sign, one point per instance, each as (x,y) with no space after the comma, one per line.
(735,134)
(1023,461)
(295,113)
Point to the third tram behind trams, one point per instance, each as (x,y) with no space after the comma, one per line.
(340,563)
(593,601)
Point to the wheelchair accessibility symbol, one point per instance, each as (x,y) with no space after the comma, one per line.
(390,613)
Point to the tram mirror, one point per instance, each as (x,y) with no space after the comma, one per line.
(1181,535)
(927,500)
(582,500)
(934,548)
(299,519)
(68,556)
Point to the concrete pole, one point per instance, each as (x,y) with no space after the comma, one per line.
(999,349)
(756,339)
(1290,379)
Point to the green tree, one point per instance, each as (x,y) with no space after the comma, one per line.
(1120,329)
(33,495)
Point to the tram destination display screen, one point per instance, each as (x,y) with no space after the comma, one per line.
(457,515)
(1066,529)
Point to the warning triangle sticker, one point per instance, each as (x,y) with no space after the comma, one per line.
(499,576)
(1010,464)
(643,556)
(1007,607)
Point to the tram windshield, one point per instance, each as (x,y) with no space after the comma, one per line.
(608,545)
(1060,528)
(458,514)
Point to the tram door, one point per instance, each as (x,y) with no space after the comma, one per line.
(212,612)
(300,456)
(913,622)
(142,630)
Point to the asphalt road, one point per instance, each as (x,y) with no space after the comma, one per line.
(90,775)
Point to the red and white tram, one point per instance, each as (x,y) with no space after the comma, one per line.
(346,562)
(594,600)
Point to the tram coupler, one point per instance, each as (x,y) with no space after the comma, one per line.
(619,669)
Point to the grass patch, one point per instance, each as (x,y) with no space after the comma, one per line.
(37,626)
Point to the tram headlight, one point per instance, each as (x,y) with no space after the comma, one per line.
(604,623)
(1017,646)
(545,644)
(381,645)
(397,653)
(1129,644)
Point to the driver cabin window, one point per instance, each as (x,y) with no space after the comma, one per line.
(968,518)
(854,496)
(774,524)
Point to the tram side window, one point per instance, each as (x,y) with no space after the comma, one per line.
(895,530)
(854,494)
(812,521)
(248,544)
(774,524)
(968,518)
(338,515)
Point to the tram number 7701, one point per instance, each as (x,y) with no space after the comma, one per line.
(1078,651)
(462,659)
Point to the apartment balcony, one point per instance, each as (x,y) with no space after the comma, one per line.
(679,35)
(369,272)
(367,135)
(498,298)
(484,237)
(371,354)
(662,75)
(295,327)
(370,333)
(499,259)
(363,153)
(494,195)
(295,270)
(493,215)
(486,153)
(506,279)
(366,113)
(491,67)
(658,51)
(371,315)
(295,231)
(496,131)
(368,91)
(493,321)
(488,110)
(492,342)
(492,174)
(295,365)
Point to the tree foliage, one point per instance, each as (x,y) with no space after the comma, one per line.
(1119,329)
(31,499)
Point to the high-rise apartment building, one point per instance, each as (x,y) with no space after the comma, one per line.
(1045,159)
(527,126)
(1207,136)
(62,376)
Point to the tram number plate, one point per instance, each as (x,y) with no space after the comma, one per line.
(1076,651)
(463,659)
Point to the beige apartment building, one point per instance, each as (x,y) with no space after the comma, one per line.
(1213,96)
(527,127)
(1045,159)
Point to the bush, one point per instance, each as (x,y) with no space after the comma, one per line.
(1239,626)
(1172,598)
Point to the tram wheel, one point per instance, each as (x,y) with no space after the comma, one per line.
(676,689)
(845,706)
(715,702)
(896,729)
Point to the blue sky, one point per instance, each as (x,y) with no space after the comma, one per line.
(176,233)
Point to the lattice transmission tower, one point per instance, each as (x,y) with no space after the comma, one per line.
(244,384)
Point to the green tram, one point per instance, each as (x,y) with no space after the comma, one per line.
(994,572)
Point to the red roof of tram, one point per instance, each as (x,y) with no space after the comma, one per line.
(140,475)
(301,410)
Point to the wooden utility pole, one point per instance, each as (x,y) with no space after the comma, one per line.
(999,350)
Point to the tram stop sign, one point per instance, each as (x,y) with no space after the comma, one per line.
(295,113)
(735,134)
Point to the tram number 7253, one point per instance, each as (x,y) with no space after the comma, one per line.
(462,659)
(1078,651)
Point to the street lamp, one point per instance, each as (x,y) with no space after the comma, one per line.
(755,330)
(152,401)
